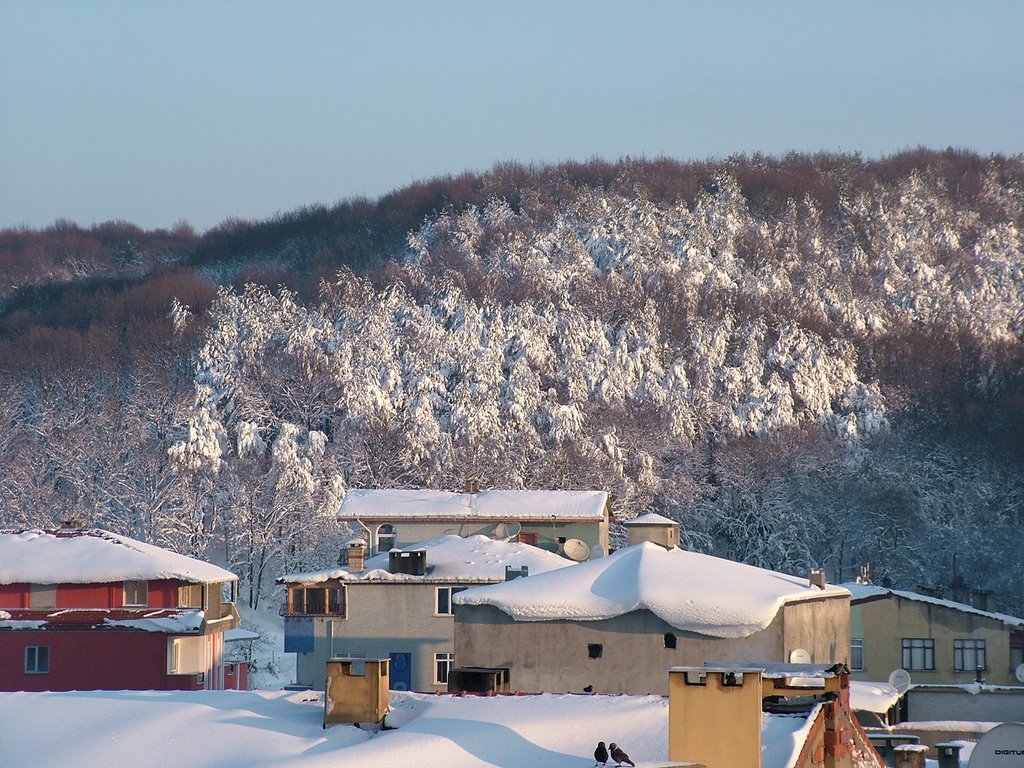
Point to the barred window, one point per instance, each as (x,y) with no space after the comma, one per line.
(856,654)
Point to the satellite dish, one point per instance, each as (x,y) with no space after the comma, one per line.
(506,531)
(597,551)
(799,656)
(576,550)
(993,749)
(900,680)
(1019,673)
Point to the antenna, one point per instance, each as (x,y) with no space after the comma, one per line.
(576,550)
(900,680)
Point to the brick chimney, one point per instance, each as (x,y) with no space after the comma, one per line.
(356,555)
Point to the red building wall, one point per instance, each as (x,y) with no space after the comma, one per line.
(91,660)
(13,595)
(162,594)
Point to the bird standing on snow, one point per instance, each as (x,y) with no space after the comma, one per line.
(601,754)
(619,756)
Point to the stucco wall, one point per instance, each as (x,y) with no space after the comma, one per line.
(821,627)
(382,619)
(885,622)
(552,656)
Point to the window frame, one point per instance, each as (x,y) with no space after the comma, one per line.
(963,644)
(137,587)
(443,661)
(858,644)
(337,608)
(449,592)
(927,647)
(390,535)
(36,668)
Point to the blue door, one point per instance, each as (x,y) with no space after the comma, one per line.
(400,672)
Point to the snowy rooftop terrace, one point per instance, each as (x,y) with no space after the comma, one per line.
(94,556)
(474,559)
(425,504)
(692,592)
(862,592)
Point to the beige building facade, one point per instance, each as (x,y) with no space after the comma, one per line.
(937,641)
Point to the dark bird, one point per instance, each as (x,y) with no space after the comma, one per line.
(618,755)
(601,754)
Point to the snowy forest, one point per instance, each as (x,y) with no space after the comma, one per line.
(808,361)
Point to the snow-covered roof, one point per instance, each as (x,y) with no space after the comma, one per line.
(397,504)
(872,697)
(476,559)
(167,620)
(690,591)
(862,592)
(94,556)
(651,518)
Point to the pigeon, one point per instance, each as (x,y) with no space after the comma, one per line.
(618,755)
(601,754)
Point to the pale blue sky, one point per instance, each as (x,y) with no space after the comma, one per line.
(156,112)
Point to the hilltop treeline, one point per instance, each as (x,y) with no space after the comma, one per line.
(809,360)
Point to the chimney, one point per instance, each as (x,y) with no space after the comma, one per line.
(983,599)
(472,485)
(817,578)
(654,528)
(72,525)
(356,555)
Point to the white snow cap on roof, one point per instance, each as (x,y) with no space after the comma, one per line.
(864,591)
(690,591)
(651,518)
(452,557)
(94,556)
(391,504)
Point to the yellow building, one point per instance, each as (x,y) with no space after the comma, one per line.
(935,640)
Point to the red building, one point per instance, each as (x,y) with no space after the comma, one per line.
(90,610)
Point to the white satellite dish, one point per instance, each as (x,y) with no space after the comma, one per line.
(1019,673)
(597,551)
(900,680)
(507,531)
(799,656)
(997,747)
(576,550)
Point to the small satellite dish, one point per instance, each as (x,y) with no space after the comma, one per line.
(576,550)
(1019,673)
(799,656)
(597,551)
(900,680)
(512,530)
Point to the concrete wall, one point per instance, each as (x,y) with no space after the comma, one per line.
(821,627)
(382,619)
(884,622)
(716,725)
(552,656)
(945,704)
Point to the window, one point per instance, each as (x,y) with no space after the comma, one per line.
(37,659)
(594,650)
(918,653)
(444,599)
(317,601)
(136,593)
(387,538)
(190,596)
(527,538)
(968,655)
(1016,650)
(856,654)
(443,663)
(670,640)
(42,596)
